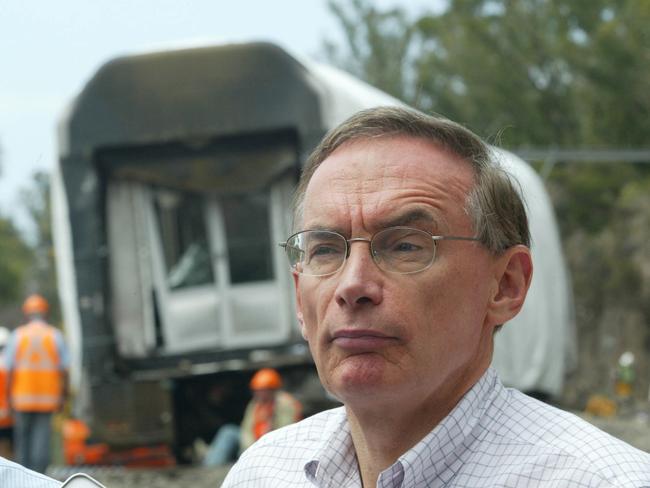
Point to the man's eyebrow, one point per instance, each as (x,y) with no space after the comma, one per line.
(410,217)
(323,228)
(402,220)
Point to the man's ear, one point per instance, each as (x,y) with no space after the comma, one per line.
(514,270)
(301,322)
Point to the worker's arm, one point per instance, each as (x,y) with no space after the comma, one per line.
(10,359)
(247,436)
(287,410)
(10,405)
(64,365)
(65,389)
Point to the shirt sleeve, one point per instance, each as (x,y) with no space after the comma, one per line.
(15,476)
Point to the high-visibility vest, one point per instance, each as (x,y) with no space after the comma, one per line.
(260,418)
(6,419)
(37,380)
(268,416)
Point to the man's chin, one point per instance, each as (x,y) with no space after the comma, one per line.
(359,376)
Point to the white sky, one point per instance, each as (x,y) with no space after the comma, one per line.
(48,49)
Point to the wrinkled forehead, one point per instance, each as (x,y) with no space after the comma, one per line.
(371,174)
(399,153)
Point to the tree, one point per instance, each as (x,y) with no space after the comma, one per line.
(533,72)
(378,46)
(28,267)
(15,259)
(42,276)
(615,66)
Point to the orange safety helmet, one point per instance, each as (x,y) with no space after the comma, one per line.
(266,379)
(35,304)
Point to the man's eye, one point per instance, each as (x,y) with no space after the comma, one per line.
(325,250)
(405,247)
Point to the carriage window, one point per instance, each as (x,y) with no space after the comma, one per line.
(184,239)
(248,236)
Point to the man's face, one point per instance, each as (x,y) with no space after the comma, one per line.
(264,396)
(378,336)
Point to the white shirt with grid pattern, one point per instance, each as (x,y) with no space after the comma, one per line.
(14,475)
(495,436)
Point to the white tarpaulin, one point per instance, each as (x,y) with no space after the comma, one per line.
(534,351)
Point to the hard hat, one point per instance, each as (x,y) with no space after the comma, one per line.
(266,379)
(626,359)
(35,304)
(4,336)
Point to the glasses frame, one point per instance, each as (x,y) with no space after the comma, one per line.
(373,254)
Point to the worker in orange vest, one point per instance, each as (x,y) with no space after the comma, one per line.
(269,409)
(6,419)
(37,362)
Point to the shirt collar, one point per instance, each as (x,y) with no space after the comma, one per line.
(335,462)
(435,457)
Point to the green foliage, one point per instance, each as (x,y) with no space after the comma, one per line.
(15,259)
(501,65)
(378,44)
(36,200)
(534,72)
(27,267)
(615,65)
(586,196)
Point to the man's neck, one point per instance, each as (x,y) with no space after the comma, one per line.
(382,433)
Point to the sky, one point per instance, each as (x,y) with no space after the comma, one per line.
(48,50)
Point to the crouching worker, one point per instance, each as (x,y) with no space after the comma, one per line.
(269,409)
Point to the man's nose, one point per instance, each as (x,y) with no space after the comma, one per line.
(360,280)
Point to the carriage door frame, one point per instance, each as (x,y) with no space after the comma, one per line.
(191,316)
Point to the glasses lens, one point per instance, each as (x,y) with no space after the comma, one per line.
(403,250)
(315,252)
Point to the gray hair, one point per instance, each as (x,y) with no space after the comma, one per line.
(495,206)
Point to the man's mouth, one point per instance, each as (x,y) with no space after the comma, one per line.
(362,339)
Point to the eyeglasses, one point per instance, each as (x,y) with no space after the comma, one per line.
(400,250)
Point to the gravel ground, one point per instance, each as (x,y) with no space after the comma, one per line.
(634,430)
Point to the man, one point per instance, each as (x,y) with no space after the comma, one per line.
(269,409)
(412,250)
(37,362)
